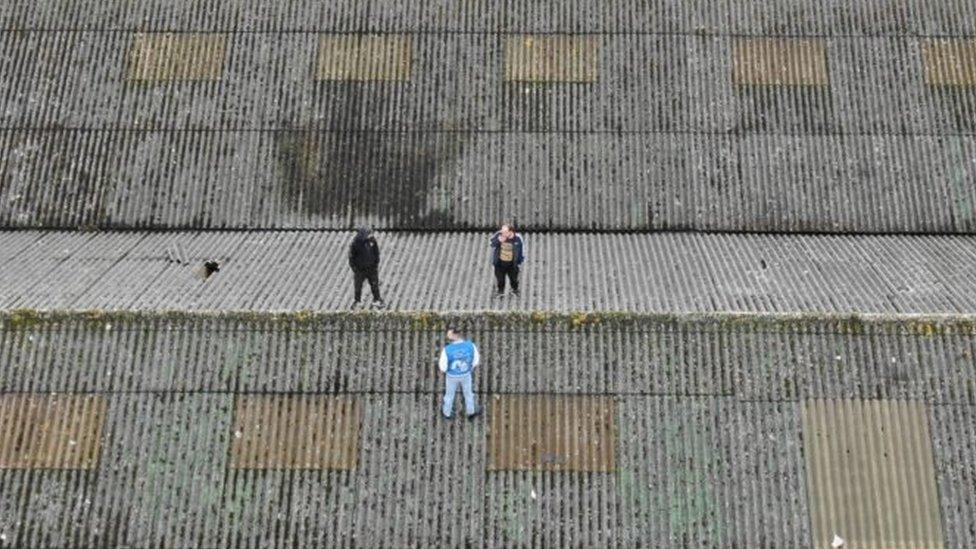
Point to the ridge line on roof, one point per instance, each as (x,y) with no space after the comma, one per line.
(927,322)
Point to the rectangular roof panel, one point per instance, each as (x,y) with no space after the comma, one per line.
(171,56)
(870,473)
(295,432)
(780,62)
(552,433)
(51,431)
(949,61)
(367,57)
(551,58)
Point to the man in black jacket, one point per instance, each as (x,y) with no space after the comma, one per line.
(364,258)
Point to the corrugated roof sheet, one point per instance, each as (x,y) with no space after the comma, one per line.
(870,473)
(50,431)
(675,272)
(209,422)
(753,357)
(808,17)
(661,138)
(714,464)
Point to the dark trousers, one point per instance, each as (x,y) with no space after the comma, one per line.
(511,271)
(373,276)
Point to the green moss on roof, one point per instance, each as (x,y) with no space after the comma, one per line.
(920,325)
(22,317)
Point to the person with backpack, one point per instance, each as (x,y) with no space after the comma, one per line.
(458,360)
(364,259)
(507,255)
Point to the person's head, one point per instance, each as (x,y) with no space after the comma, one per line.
(506,230)
(364,232)
(454,333)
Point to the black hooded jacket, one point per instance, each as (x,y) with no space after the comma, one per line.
(364,252)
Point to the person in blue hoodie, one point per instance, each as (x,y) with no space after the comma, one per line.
(458,360)
(507,255)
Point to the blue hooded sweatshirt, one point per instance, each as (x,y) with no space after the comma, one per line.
(459,358)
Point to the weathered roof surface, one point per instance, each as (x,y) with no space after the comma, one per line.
(755,357)
(421,481)
(663,137)
(778,17)
(253,179)
(710,445)
(289,271)
(670,389)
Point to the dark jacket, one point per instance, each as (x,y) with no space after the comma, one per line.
(518,250)
(364,252)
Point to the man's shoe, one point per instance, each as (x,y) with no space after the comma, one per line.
(378,304)
(355,304)
(477,412)
(499,295)
(516,293)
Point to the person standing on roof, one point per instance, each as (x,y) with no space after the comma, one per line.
(458,360)
(364,259)
(507,255)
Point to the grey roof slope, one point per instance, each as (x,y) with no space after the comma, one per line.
(709,449)
(291,271)
(412,468)
(755,357)
(248,179)
(778,17)
(662,140)
(710,347)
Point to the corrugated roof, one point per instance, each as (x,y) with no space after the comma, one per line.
(870,473)
(683,389)
(809,17)
(757,358)
(678,272)
(681,480)
(712,462)
(663,138)
(674,84)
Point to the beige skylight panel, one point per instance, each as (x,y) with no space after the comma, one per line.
(354,57)
(780,62)
(870,473)
(949,62)
(551,58)
(155,57)
(295,432)
(51,431)
(551,432)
